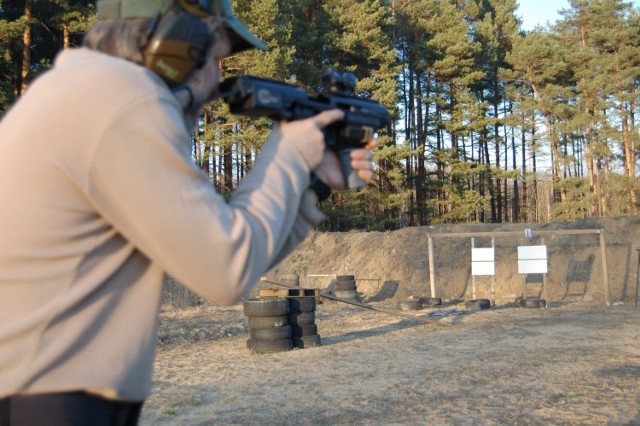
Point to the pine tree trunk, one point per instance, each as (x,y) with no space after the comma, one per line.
(414,84)
(421,196)
(228,168)
(632,163)
(515,200)
(66,36)
(534,170)
(557,175)
(526,215)
(629,155)
(26,49)
(593,208)
(498,191)
(204,165)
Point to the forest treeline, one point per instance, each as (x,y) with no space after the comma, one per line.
(491,123)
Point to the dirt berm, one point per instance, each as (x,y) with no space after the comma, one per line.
(395,265)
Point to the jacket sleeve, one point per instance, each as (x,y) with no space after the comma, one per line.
(308,216)
(143,182)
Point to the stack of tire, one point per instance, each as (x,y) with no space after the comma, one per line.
(533,303)
(428,302)
(477,304)
(269,329)
(302,320)
(346,288)
(410,305)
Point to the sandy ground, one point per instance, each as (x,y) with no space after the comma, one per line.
(572,363)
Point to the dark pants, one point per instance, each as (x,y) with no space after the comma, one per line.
(67,409)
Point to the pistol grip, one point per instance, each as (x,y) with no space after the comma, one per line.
(351,179)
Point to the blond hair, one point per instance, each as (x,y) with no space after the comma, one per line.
(123,38)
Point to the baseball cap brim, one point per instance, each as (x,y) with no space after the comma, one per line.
(242,37)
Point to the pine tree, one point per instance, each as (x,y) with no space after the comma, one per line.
(601,46)
(494,28)
(31,34)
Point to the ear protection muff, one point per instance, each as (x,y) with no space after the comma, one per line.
(178,45)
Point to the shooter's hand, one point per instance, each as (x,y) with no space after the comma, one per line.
(330,169)
(307,135)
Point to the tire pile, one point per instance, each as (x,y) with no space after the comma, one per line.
(346,288)
(278,324)
(269,329)
(302,316)
(302,320)
(478,304)
(533,303)
(416,304)
(410,305)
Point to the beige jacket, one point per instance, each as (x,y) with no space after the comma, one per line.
(99,198)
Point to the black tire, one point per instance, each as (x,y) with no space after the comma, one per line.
(268,322)
(264,346)
(533,303)
(478,304)
(271,333)
(302,304)
(270,307)
(308,341)
(298,330)
(302,318)
(410,305)
(430,301)
(345,278)
(347,295)
(346,286)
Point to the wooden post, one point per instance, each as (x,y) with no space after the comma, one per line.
(637,277)
(493,277)
(432,279)
(605,272)
(544,280)
(473,277)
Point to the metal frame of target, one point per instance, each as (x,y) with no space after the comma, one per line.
(483,260)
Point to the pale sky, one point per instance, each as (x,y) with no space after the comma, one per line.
(534,12)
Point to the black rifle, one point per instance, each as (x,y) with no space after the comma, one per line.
(260,97)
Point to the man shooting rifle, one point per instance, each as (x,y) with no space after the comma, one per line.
(101,199)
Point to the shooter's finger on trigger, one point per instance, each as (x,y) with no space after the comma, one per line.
(325,118)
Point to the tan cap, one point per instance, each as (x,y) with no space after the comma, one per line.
(242,38)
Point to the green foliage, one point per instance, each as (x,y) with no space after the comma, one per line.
(461,206)
(578,197)
(576,205)
(476,101)
(618,189)
(347,211)
(47,25)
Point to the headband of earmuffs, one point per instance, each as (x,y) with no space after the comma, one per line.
(180,38)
